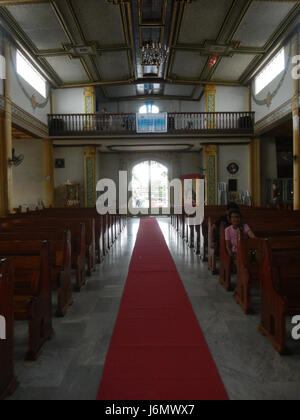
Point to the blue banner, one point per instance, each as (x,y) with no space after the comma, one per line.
(152,123)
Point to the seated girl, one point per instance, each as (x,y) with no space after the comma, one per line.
(234,232)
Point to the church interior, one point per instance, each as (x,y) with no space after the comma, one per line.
(110,289)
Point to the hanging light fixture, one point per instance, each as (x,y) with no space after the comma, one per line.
(154,54)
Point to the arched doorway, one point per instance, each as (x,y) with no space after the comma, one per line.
(150,185)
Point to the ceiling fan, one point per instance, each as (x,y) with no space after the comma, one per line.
(16,160)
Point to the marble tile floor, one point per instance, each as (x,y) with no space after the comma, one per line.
(70,366)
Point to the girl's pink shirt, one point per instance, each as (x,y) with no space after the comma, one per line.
(233,235)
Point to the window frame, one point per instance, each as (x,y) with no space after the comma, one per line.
(149,108)
(270,72)
(34,74)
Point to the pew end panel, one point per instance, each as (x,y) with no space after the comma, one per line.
(248,272)
(60,254)
(226,262)
(32,290)
(8,381)
(280,290)
(63,267)
(212,254)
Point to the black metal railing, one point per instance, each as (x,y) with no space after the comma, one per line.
(101,124)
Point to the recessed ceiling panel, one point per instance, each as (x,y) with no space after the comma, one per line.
(152,10)
(188,64)
(101,21)
(69,70)
(232,68)
(203,20)
(261,21)
(113,65)
(40,24)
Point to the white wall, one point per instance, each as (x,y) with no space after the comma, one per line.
(163,105)
(73,171)
(28,178)
(187,163)
(68,101)
(284,93)
(190,164)
(234,153)
(74,165)
(19,98)
(232,99)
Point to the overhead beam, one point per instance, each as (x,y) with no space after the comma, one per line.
(16,2)
(147,81)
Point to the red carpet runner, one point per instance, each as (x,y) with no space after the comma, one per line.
(158,351)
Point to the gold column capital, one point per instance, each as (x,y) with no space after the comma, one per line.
(89,90)
(210,89)
(211,149)
(90,150)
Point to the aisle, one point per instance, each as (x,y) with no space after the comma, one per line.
(158,351)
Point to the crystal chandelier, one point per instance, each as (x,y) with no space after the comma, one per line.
(154,54)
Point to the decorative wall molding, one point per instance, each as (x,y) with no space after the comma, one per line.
(278,114)
(25,121)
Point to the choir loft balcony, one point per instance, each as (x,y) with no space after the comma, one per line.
(200,124)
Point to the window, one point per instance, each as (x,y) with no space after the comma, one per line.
(272,70)
(149,109)
(30,75)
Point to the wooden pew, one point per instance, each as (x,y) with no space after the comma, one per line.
(32,290)
(76,213)
(66,223)
(248,270)
(103,225)
(225,262)
(251,213)
(280,287)
(8,382)
(61,261)
(262,228)
(78,240)
(212,253)
(249,262)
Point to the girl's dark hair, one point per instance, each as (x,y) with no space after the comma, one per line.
(241,226)
(235,211)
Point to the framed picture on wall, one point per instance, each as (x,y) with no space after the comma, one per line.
(233,185)
(60,164)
